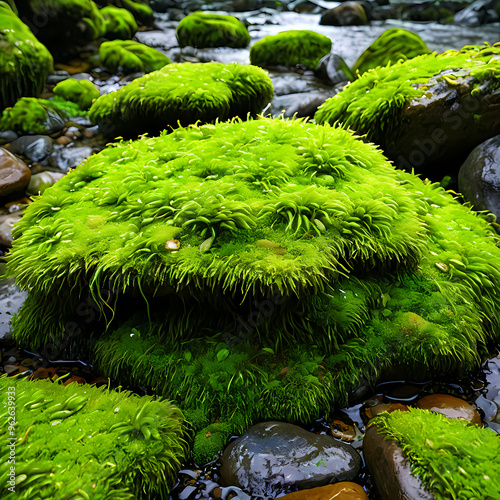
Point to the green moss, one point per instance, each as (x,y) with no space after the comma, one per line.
(290,48)
(183,93)
(88,442)
(373,104)
(119,23)
(24,62)
(131,57)
(390,47)
(203,29)
(142,12)
(453,458)
(81,92)
(210,441)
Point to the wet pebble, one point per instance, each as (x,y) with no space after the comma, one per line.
(66,158)
(34,147)
(58,76)
(14,173)
(345,490)
(7,136)
(40,182)
(450,406)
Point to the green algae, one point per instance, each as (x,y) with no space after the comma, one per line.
(81,92)
(203,29)
(290,48)
(183,93)
(390,47)
(88,442)
(119,23)
(131,57)
(373,104)
(453,458)
(24,62)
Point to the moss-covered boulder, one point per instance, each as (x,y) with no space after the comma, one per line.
(272,265)
(428,112)
(183,93)
(118,23)
(24,62)
(81,92)
(203,29)
(63,24)
(390,47)
(140,9)
(452,458)
(290,48)
(87,442)
(131,57)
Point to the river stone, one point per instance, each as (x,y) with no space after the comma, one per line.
(14,173)
(479,176)
(273,456)
(333,69)
(478,13)
(34,147)
(391,469)
(346,14)
(338,491)
(7,221)
(449,406)
(66,158)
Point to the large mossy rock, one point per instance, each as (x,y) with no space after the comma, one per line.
(427,113)
(62,25)
(203,30)
(290,48)
(131,57)
(452,458)
(183,93)
(390,47)
(272,265)
(87,442)
(24,62)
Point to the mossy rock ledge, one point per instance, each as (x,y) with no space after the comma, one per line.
(24,62)
(427,113)
(183,93)
(271,265)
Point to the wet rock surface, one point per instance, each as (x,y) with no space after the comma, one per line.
(33,147)
(340,491)
(449,406)
(479,176)
(273,456)
(14,173)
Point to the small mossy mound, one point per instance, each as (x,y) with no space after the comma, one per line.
(373,104)
(142,12)
(290,48)
(81,92)
(390,47)
(209,441)
(84,442)
(183,93)
(131,57)
(118,23)
(60,18)
(453,458)
(24,62)
(203,30)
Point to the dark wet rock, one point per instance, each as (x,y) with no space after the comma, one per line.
(344,490)
(14,173)
(478,13)
(274,456)
(6,223)
(479,176)
(11,299)
(7,136)
(66,158)
(333,69)
(391,469)
(449,406)
(490,409)
(41,181)
(58,76)
(442,11)
(346,14)
(301,104)
(439,129)
(33,147)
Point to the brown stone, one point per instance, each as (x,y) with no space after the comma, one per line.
(449,406)
(11,369)
(75,378)
(391,469)
(339,491)
(14,173)
(388,407)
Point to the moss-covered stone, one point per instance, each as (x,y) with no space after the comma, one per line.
(24,62)
(183,93)
(141,11)
(66,23)
(81,441)
(118,23)
(81,92)
(209,441)
(452,458)
(374,103)
(131,57)
(203,29)
(390,47)
(290,48)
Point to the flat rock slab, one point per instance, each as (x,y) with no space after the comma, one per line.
(274,456)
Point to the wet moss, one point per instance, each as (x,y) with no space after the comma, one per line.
(118,23)
(81,92)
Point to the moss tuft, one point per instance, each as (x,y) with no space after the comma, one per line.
(290,48)
(203,29)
